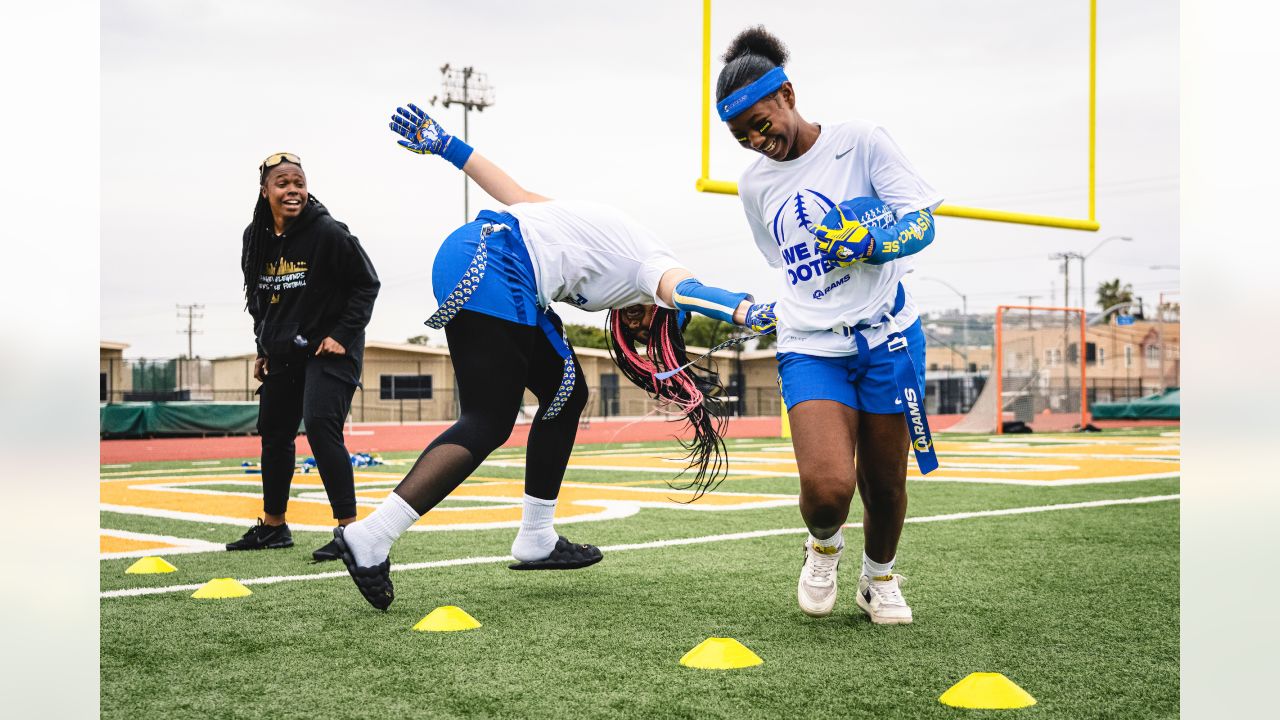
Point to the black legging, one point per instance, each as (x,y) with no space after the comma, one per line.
(316,392)
(494,361)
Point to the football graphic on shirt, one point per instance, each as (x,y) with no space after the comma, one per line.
(805,207)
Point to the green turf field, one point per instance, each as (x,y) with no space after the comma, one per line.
(1078,605)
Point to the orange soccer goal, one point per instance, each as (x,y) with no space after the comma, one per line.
(1038,378)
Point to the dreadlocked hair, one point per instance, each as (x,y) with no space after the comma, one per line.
(687,390)
(253,256)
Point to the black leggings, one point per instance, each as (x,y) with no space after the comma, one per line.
(316,392)
(494,361)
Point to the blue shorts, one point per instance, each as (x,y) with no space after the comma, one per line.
(509,290)
(810,377)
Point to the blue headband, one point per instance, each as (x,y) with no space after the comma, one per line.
(737,102)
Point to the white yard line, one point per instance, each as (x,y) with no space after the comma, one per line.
(179,546)
(402,567)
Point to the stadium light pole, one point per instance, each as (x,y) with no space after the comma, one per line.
(964,310)
(1084,287)
(471,90)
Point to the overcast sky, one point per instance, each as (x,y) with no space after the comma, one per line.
(600,101)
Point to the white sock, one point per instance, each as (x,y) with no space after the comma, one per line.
(835,541)
(873,569)
(370,539)
(537,536)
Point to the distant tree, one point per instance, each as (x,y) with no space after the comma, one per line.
(419,340)
(707,332)
(586,336)
(1112,293)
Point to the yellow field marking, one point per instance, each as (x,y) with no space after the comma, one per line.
(643,483)
(1081,460)
(185,498)
(109,544)
(114,544)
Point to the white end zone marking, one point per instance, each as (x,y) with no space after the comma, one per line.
(404,567)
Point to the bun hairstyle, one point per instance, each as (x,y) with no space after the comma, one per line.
(754,52)
(687,390)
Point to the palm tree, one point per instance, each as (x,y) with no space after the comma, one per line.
(1112,293)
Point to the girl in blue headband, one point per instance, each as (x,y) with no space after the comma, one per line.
(495,279)
(837,208)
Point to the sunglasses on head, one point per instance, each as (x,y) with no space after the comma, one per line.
(276,159)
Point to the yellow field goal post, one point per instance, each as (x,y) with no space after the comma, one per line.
(706,184)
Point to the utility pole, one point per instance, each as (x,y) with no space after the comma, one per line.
(472,91)
(1066,258)
(191,316)
(1030,301)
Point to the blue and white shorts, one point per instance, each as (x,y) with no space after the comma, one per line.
(509,290)
(875,390)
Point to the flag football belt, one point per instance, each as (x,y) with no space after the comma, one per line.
(470,282)
(904,375)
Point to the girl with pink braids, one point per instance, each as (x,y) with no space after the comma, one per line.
(495,279)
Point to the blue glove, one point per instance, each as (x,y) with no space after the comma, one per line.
(424,136)
(841,239)
(762,319)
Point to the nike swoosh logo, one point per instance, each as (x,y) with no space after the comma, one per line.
(846,152)
(897,401)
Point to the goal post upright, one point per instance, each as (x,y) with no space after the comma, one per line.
(706,184)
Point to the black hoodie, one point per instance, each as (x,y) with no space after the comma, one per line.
(316,282)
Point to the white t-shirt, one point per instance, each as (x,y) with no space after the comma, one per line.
(592,256)
(781,199)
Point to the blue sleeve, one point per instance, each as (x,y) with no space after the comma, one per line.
(692,296)
(908,236)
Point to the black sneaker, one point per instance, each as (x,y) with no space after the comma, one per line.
(264,537)
(374,583)
(330,551)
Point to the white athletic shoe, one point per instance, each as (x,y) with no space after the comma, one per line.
(817,589)
(882,600)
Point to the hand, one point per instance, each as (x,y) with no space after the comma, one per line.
(329,346)
(762,319)
(423,135)
(842,239)
(260,369)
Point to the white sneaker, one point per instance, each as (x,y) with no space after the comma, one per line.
(882,600)
(817,589)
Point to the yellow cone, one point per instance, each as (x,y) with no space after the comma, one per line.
(720,654)
(448,618)
(987,691)
(150,564)
(219,588)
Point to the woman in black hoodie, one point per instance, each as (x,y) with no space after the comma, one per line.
(310,289)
